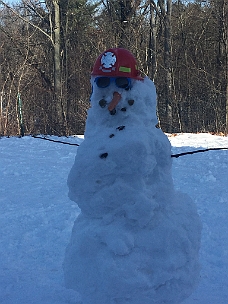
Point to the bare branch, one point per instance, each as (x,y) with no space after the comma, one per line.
(27,21)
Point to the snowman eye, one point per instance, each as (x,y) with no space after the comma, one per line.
(103,82)
(123,82)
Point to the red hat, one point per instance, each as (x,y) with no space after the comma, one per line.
(116,62)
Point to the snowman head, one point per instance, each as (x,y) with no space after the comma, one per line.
(114,72)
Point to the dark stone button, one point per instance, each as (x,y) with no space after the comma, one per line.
(102,103)
(120,128)
(131,102)
(113,112)
(103,155)
(111,135)
(124,109)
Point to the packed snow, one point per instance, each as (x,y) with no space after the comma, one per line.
(36,216)
(136,240)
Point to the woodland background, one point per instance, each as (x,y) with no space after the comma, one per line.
(47,50)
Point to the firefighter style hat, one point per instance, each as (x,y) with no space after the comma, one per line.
(116,62)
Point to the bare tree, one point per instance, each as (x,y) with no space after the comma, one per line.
(163,9)
(152,45)
(221,9)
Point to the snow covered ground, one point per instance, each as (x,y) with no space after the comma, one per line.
(36,216)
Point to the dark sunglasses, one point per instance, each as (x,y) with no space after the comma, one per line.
(121,82)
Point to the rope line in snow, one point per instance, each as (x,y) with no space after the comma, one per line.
(196,151)
(172,155)
(57,141)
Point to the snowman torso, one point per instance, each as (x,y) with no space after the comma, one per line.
(122,151)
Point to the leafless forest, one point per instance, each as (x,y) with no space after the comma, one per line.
(47,50)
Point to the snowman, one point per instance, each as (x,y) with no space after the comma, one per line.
(136,240)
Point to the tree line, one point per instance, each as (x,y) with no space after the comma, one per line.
(47,50)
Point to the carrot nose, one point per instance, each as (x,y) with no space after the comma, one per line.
(115,100)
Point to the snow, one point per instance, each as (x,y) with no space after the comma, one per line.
(136,240)
(36,216)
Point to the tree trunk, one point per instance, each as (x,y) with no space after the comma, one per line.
(152,48)
(57,72)
(225,24)
(57,68)
(221,9)
(168,66)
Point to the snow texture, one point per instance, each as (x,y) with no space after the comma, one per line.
(136,239)
(36,216)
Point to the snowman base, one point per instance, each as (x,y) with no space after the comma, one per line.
(122,260)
